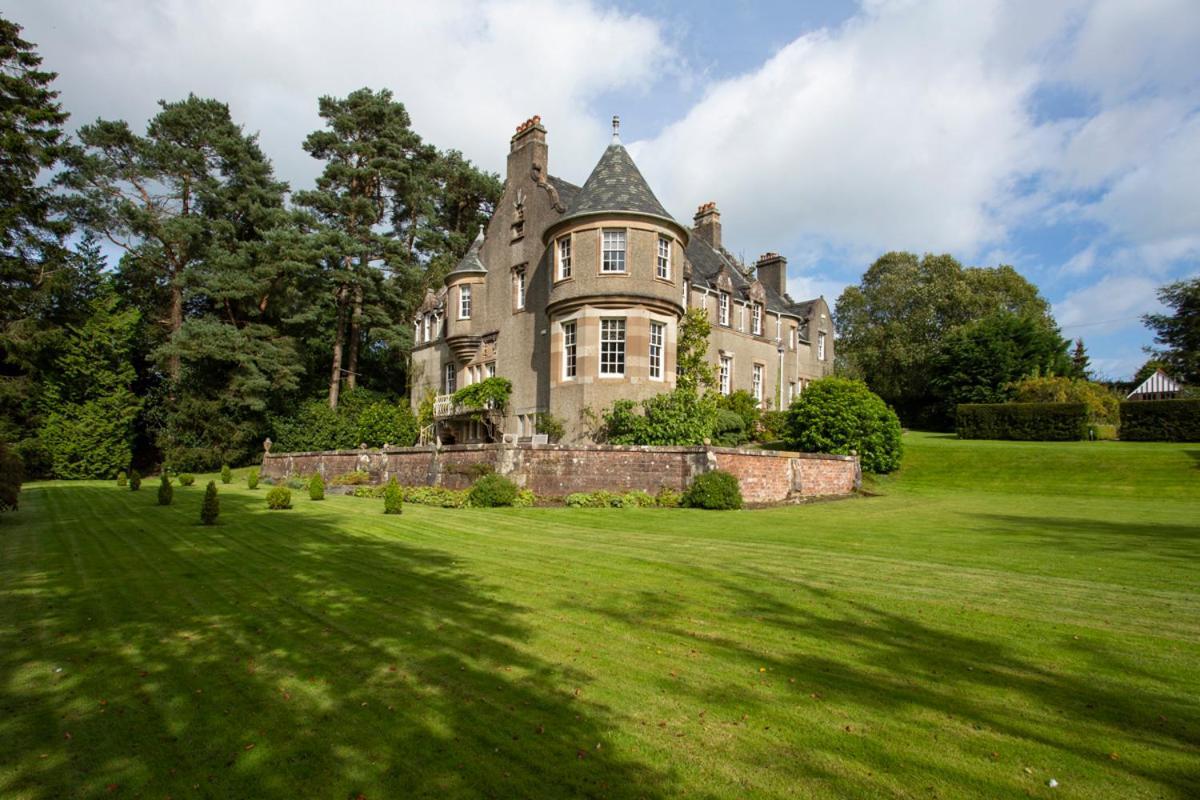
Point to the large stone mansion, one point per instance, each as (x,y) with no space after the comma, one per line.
(574,294)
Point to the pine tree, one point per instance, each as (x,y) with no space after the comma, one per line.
(210,508)
(1080,363)
(165,492)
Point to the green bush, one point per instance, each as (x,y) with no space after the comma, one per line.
(716,490)
(316,487)
(746,407)
(356,478)
(680,417)
(1042,422)
(550,425)
(437,496)
(668,498)
(122,479)
(92,438)
(837,415)
(729,430)
(186,479)
(12,472)
(1104,405)
(165,493)
(525,499)
(637,499)
(773,426)
(210,508)
(295,483)
(226,474)
(493,491)
(135,480)
(388,423)
(279,498)
(393,498)
(1160,421)
(35,458)
(252,478)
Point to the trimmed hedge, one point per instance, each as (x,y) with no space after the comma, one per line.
(279,498)
(1037,422)
(1160,421)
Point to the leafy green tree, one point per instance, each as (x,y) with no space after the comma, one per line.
(88,403)
(892,323)
(978,362)
(11,475)
(1151,366)
(1178,333)
(696,374)
(1104,405)
(839,415)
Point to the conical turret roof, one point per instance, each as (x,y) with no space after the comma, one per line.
(470,263)
(616,185)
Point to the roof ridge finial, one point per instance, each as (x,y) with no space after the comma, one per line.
(616,129)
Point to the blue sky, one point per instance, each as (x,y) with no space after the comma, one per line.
(1062,138)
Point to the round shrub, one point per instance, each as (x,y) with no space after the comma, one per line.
(122,479)
(226,474)
(252,478)
(186,479)
(211,507)
(135,480)
(667,498)
(837,415)
(492,491)
(393,498)
(716,490)
(279,498)
(316,487)
(165,493)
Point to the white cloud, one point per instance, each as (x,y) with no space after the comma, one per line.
(467,70)
(1113,303)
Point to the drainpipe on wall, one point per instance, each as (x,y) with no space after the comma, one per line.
(779,378)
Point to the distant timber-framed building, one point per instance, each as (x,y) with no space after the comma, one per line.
(575,293)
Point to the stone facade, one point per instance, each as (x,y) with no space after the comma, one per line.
(558,470)
(575,293)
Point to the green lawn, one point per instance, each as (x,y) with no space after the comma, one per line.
(1003,614)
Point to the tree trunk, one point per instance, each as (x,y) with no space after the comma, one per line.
(355,334)
(339,336)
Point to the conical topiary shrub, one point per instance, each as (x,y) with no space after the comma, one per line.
(393,498)
(165,493)
(122,479)
(226,474)
(316,487)
(252,478)
(135,480)
(211,507)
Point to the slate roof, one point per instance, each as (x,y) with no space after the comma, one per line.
(616,184)
(566,190)
(470,263)
(707,264)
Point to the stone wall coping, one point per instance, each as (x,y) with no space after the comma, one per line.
(602,448)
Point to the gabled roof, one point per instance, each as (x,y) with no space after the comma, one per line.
(1158,383)
(708,264)
(470,263)
(617,185)
(566,190)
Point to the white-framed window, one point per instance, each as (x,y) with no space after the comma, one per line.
(426,325)
(663,266)
(791,337)
(612,347)
(564,258)
(791,392)
(570,350)
(490,369)
(464,301)
(657,337)
(820,347)
(756,385)
(723,308)
(450,379)
(519,288)
(756,319)
(726,374)
(612,251)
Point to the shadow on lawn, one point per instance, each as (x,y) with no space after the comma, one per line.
(897,665)
(1090,535)
(287,658)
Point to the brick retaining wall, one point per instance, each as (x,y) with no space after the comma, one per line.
(766,476)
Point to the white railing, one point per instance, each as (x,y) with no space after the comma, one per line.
(444,406)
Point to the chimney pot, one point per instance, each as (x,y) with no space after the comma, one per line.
(707,224)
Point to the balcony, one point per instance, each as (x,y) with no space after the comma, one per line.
(444,406)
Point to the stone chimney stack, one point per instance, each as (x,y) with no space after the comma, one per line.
(771,270)
(707,224)
(528,150)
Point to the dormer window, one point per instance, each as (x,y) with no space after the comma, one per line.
(723,308)
(663,267)
(564,258)
(427,325)
(612,255)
